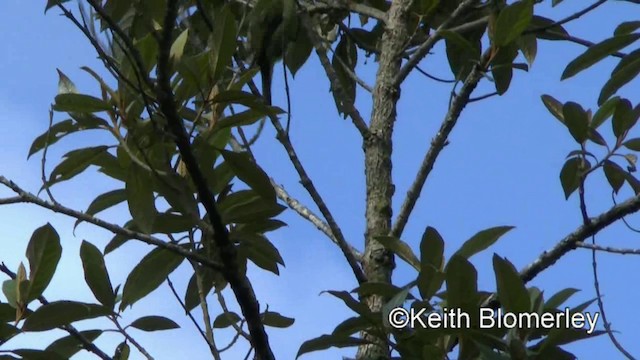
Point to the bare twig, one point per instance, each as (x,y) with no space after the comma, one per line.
(307,214)
(608,249)
(136,344)
(437,144)
(210,343)
(86,344)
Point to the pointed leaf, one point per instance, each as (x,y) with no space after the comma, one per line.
(554,106)
(43,252)
(154,323)
(71,102)
(431,277)
(96,275)
(598,52)
(140,198)
(512,293)
(576,120)
(250,173)
(70,345)
(401,248)
(328,341)
(59,313)
(512,21)
(482,240)
(150,273)
(275,319)
(615,175)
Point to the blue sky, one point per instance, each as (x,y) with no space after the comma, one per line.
(501,168)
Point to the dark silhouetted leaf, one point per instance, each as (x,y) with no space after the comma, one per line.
(96,275)
(59,313)
(512,293)
(71,102)
(512,21)
(275,319)
(43,252)
(69,345)
(401,248)
(154,323)
(576,120)
(598,52)
(482,240)
(150,273)
(140,198)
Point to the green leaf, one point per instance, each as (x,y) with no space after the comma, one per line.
(223,41)
(554,106)
(604,112)
(512,21)
(633,182)
(96,275)
(104,201)
(75,162)
(43,252)
(52,3)
(71,102)
(33,354)
(431,273)
(345,58)
(328,341)
(168,223)
(247,117)
(351,326)
(512,293)
(627,27)
(462,283)
(624,117)
(619,79)
(378,288)
(260,251)
(150,273)
(250,173)
(59,313)
(177,48)
(576,120)
(598,52)
(570,175)
(298,52)
(119,239)
(632,144)
(210,278)
(482,240)
(65,85)
(69,345)
(154,323)
(556,32)
(615,175)
(559,298)
(246,206)
(353,304)
(401,248)
(226,319)
(528,45)
(52,135)
(122,352)
(275,319)
(140,198)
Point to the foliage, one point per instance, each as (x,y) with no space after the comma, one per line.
(180,90)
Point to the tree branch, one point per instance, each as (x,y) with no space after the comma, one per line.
(228,253)
(28,197)
(307,214)
(608,249)
(437,144)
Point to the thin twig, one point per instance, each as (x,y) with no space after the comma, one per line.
(437,144)
(608,249)
(212,348)
(129,338)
